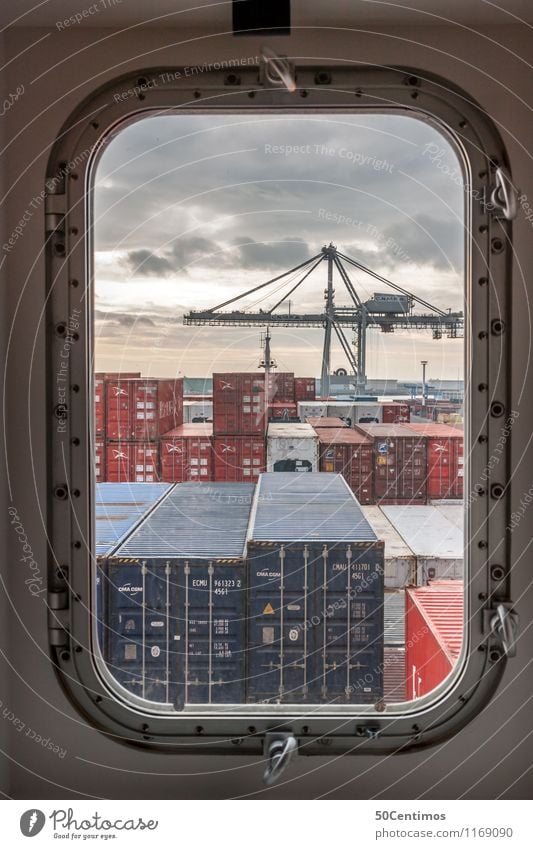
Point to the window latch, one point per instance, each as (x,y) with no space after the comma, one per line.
(278,749)
(504,196)
(504,625)
(277,70)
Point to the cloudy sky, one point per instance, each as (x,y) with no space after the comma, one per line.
(190,210)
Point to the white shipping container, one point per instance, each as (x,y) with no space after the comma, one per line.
(311,408)
(194,409)
(291,447)
(400,562)
(437,543)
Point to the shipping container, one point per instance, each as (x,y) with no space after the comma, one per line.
(129,460)
(292,448)
(146,462)
(239,458)
(283,411)
(437,544)
(118,509)
(311,408)
(176,598)
(197,410)
(143,409)
(453,510)
(99,460)
(326,421)
(349,453)
(394,683)
(394,618)
(239,404)
(187,453)
(393,413)
(99,405)
(304,389)
(280,386)
(315,601)
(434,618)
(400,461)
(445,461)
(400,562)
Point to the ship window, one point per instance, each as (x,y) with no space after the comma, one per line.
(281,488)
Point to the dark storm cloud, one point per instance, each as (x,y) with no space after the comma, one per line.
(144,263)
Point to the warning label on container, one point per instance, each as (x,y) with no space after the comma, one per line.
(268,609)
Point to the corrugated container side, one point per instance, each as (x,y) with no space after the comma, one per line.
(120,461)
(239,458)
(400,462)
(239,403)
(99,460)
(282,411)
(434,629)
(349,453)
(311,408)
(394,683)
(400,562)
(304,389)
(445,461)
(119,409)
(146,462)
(143,409)
(280,387)
(393,413)
(187,453)
(99,405)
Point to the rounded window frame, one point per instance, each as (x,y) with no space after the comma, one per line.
(71,483)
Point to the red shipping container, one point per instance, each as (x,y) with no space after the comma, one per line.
(282,411)
(239,405)
(143,409)
(349,453)
(445,461)
(280,386)
(400,462)
(187,453)
(146,462)
(99,405)
(239,458)
(99,460)
(119,461)
(434,621)
(395,413)
(304,389)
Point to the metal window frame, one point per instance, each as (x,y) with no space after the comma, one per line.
(70,502)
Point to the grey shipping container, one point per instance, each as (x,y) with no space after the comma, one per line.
(119,507)
(400,562)
(436,542)
(179,635)
(315,595)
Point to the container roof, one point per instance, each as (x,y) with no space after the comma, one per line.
(302,431)
(395,545)
(315,506)
(384,430)
(342,435)
(203,520)
(325,421)
(435,429)
(119,507)
(427,532)
(442,605)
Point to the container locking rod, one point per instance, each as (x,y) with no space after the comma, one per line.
(278,749)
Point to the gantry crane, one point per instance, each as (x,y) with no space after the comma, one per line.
(385,312)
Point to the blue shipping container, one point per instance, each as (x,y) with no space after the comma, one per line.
(195,542)
(315,600)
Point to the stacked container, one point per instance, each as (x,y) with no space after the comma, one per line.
(436,542)
(395,413)
(445,460)
(187,453)
(311,408)
(283,411)
(349,453)
(280,386)
(400,561)
(400,460)
(239,424)
(434,617)
(176,599)
(292,448)
(304,389)
(315,606)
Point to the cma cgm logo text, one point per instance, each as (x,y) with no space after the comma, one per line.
(127,588)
